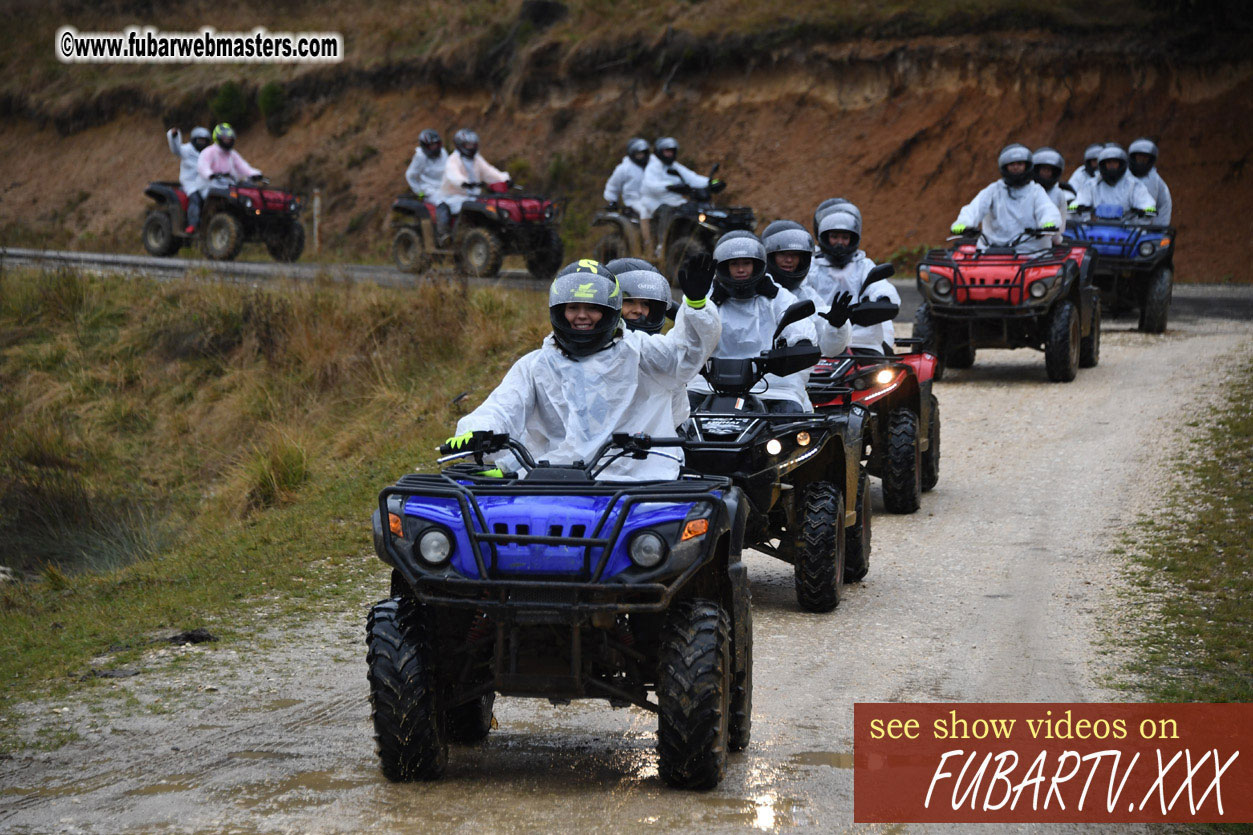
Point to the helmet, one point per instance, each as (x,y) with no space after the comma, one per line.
(733,245)
(637,151)
(467,142)
(829,205)
(1015,153)
(200,138)
(1090,155)
(667,149)
(839,221)
(788,236)
(1142,145)
(429,142)
(1117,157)
(224,135)
(1047,157)
(641,280)
(584,282)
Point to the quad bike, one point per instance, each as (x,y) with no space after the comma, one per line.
(501,222)
(794,469)
(1134,265)
(558,585)
(235,212)
(997,297)
(694,227)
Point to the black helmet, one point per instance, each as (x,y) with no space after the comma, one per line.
(732,246)
(667,149)
(1015,153)
(1140,168)
(641,280)
(467,142)
(788,236)
(637,151)
(585,282)
(429,142)
(1113,163)
(200,138)
(829,205)
(1046,166)
(224,135)
(839,221)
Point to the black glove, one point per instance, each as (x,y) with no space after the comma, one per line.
(841,306)
(611,207)
(872,313)
(696,276)
(716,186)
(258,177)
(679,188)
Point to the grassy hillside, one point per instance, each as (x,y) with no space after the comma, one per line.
(175,452)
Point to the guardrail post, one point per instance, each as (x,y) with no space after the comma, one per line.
(317,220)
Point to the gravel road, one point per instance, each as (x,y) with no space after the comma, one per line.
(1002,588)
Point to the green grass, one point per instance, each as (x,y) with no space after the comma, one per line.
(1194,564)
(209,455)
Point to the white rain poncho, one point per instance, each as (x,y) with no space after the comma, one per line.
(564,409)
(188,174)
(747,327)
(458,171)
(1128,193)
(1157,189)
(826,280)
(425,175)
(653,191)
(624,183)
(831,340)
(1061,199)
(1003,213)
(1081,178)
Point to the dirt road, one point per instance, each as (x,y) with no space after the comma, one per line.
(1002,587)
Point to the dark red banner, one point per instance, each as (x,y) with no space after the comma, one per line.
(1028,763)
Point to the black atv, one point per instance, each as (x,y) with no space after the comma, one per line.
(694,227)
(498,223)
(795,469)
(235,212)
(558,585)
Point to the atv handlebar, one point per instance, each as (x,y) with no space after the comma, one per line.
(1025,235)
(485,443)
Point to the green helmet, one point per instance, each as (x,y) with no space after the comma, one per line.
(224,135)
(585,282)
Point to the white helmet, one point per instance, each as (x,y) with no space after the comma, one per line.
(1047,157)
(839,221)
(1014,152)
(1117,157)
(1143,145)
(788,236)
(730,247)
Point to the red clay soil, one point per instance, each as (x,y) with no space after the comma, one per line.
(908,130)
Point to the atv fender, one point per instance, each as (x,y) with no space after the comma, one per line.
(630,232)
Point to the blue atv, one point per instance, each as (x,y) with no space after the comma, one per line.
(1134,265)
(557,585)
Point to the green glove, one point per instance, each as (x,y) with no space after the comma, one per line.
(1150,211)
(958,228)
(494,472)
(456,442)
(1049,227)
(421,195)
(1073,207)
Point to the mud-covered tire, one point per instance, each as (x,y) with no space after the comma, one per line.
(158,235)
(740,729)
(857,538)
(480,252)
(819,564)
(680,251)
(931,458)
(403,701)
(958,357)
(902,463)
(1156,307)
(694,695)
(1061,345)
(1090,345)
(287,245)
(472,721)
(611,246)
(409,252)
(223,237)
(543,263)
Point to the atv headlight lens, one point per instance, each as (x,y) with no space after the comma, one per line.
(924,273)
(1146,249)
(1038,289)
(942,286)
(773,446)
(647,549)
(247,202)
(701,217)
(435,546)
(802,439)
(884,376)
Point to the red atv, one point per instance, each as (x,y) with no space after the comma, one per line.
(902,431)
(998,297)
(235,212)
(496,224)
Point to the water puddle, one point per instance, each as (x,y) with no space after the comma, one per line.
(261,755)
(830,759)
(300,790)
(173,783)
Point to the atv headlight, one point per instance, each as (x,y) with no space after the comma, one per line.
(701,217)
(942,286)
(435,546)
(647,549)
(924,273)
(1038,289)
(773,446)
(247,201)
(884,376)
(1146,249)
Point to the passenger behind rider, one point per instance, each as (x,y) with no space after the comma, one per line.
(751,306)
(464,174)
(591,378)
(1087,172)
(1115,187)
(189,179)
(425,174)
(789,255)
(622,189)
(1046,167)
(1011,205)
(222,160)
(1143,166)
(840,268)
(666,184)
